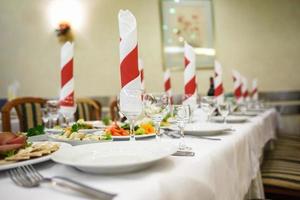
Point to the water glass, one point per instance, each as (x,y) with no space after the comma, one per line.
(131,106)
(181,115)
(191,101)
(223,109)
(208,105)
(52,107)
(45,117)
(156,107)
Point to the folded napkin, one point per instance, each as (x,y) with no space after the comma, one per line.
(190,85)
(218,82)
(67,103)
(129,70)
(237,86)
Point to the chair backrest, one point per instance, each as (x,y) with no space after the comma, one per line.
(28,111)
(114,110)
(88,109)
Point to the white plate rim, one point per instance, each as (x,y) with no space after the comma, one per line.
(173,150)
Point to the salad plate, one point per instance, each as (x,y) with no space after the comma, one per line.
(33,160)
(116,157)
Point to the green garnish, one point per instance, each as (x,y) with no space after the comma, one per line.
(74,128)
(106,120)
(125,126)
(9,153)
(38,130)
(165,119)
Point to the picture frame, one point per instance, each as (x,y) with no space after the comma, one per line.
(191,21)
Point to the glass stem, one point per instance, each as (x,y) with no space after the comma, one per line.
(67,121)
(182,142)
(157,130)
(132,138)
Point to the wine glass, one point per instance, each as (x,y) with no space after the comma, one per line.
(232,104)
(45,117)
(181,115)
(208,105)
(191,101)
(52,107)
(68,114)
(223,109)
(131,106)
(156,107)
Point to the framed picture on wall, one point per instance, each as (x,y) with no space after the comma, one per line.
(190,21)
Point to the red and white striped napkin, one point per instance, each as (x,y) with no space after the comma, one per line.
(218,83)
(245,91)
(67,102)
(237,86)
(167,85)
(129,68)
(190,85)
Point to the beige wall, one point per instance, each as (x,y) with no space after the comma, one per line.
(259,38)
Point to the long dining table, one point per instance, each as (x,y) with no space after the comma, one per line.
(221,169)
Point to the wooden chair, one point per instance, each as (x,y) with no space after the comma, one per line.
(28,111)
(88,109)
(281,169)
(114,110)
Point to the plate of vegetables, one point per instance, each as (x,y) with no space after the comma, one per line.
(121,132)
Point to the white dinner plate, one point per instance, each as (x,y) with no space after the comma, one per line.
(144,136)
(75,142)
(205,129)
(33,160)
(115,157)
(230,119)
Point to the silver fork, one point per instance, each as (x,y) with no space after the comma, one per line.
(28,176)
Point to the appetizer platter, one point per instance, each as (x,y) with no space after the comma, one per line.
(16,150)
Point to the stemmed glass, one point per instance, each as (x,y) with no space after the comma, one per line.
(45,117)
(232,104)
(52,107)
(191,101)
(223,109)
(181,115)
(68,114)
(156,107)
(131,106)
(208,105)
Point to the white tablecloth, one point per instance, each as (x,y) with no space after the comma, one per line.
(221,170)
